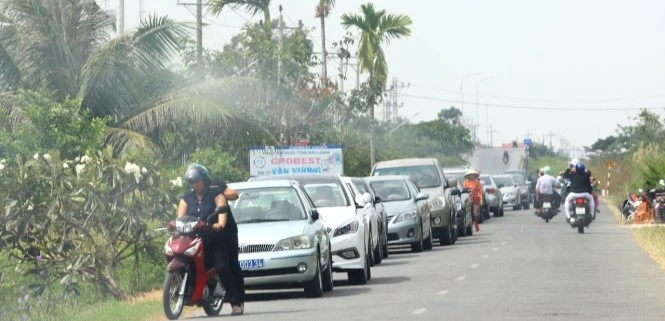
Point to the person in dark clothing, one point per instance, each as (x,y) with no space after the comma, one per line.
(580,181)
(221,244)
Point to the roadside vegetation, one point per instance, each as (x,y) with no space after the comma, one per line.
(639,153)
(91,151)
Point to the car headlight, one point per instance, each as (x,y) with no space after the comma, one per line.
(351,227)
(410,215)
(438,202)
(192,250)
(167,249)
(294,243)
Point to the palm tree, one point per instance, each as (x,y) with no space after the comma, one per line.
(252,6)
(322,12)
(65,46)
(376,28)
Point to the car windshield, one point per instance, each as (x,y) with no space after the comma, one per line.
(326,194)
(393,190)
(505,181)
(268,204)
(425,176)
(519,179)
(361,187)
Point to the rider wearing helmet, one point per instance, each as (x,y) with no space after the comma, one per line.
(204,201)
(580,180)
(545,186)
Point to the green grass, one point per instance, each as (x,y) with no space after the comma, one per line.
(144,310)
(652,240)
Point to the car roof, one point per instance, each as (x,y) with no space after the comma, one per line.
(300,177)
(504,175)
(405,162)
(266,183)
(387,178)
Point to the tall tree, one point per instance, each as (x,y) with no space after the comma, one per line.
(252,6)
(376,29)
(322,12)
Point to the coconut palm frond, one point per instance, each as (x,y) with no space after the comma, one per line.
(125,141)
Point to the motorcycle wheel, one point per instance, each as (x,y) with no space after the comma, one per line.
(580,229)
(547,220)
(172,285)
(213,306)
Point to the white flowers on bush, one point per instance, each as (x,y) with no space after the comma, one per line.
(47,157)
(177,182)
(86,159)
(79,168)
(134,169)
(2,164)
(30,207)
(65,165)
(36,156)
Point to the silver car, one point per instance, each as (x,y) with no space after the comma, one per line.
(282,239)
(409,217)
(493,194)
(512,196)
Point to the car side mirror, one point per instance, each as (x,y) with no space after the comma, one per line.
(455,192)
(452,181)
(360,201)
(315,214)
(422,196)
(368,198)
(377,199)
(515,186)
(466,190)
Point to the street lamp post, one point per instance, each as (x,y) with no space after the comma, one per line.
(475,132)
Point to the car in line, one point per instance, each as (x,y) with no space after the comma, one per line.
(494,195)
(344,220)
(282,240)
(363,186)
(428,176)
(523,187)
(464,217)
(409,216)
(372,219)
(510,191)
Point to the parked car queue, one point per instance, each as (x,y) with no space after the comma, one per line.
(300,229)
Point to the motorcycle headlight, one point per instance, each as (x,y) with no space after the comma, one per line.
(192,250)
(294,243)
(410,215)
(167,249)
(185,228)
(351,227)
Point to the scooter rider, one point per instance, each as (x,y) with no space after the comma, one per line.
(580,180)
(506,157)
(545,185)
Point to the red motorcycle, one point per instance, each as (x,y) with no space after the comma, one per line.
(188,281)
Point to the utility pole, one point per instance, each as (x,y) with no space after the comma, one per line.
(391,107)
(280,38)
(199,33)
(121,17)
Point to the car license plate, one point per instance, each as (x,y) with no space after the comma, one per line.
(580,210)
(547,205)
(251,264)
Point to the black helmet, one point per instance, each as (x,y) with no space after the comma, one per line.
(197,172)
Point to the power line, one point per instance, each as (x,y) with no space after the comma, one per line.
(457,92)
(580,108)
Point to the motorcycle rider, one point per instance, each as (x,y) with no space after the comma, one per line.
(222,243)
(475,195)
(580,180)
(506,157)
(545,186)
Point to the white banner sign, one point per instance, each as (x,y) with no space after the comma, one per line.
(281,160)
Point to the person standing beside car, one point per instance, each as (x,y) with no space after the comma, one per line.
(203,201)
(475,199)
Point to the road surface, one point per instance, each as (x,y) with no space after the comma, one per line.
(490,160)
(516,268)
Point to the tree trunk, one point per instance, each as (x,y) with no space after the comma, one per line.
(372,152)
(110,284)
(324,53)
(267,23)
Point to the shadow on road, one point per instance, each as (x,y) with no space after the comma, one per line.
(389,280)
(393,262)
(267,295)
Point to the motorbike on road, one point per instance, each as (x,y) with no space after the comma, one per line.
(629,206)
(580,215)
(548,210)
(657,197)
(188,282)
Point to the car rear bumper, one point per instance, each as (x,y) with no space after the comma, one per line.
(281,267)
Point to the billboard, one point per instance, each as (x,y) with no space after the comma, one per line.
(280,160)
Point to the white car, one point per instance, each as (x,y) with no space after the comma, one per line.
(371,219)
(346,225)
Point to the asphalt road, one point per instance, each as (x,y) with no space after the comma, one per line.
(490,160)
(516,268)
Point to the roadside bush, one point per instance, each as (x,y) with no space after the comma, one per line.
(222,166)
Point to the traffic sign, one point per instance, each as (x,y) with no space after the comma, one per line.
(611,163)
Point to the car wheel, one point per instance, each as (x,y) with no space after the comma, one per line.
(360,276)
(446,235)
(385,247)
(516,208)
(428,244)
(462,228)
(314,288)
(417,246)
(455,234)
(378,253)
(501,211)
(372,261)
(328,283)
(525,206)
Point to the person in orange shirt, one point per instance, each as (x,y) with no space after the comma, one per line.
(475,194)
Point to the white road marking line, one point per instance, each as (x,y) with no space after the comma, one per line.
(460,278)
(444,292)
(485,256)
(475,265)
(503,243)
(495,249)
(419,311)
